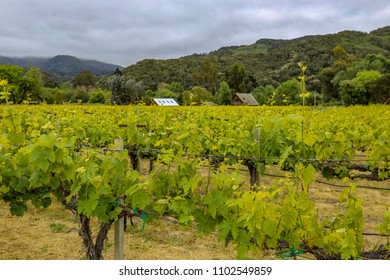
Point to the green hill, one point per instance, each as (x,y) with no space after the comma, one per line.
(65,66)
(267,61)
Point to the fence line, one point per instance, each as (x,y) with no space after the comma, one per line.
(210,156)
(221,157)
(332,184)
(140,151)
(216,234)
(158,151)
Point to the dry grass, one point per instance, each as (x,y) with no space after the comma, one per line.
(30,236)
(43,235)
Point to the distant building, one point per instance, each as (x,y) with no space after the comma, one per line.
(244,99)
(164,102)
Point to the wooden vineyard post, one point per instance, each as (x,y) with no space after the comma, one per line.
(119,239)
(139,168)
(135,159)
(253,162)
(119,226)
(259,156)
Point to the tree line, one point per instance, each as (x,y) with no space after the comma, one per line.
(348,80)
(34,86)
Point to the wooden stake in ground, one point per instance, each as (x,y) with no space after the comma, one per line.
(119,227)
(259,156)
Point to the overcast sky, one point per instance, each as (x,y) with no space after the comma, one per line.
(126,31)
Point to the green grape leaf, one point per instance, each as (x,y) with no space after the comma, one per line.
(309,140)
(140,199)
(308,176)
(284,156)
(42,156)
(87,206)
(184,219)
(45,141)
(326,172)
(101,212)
(46,202)
(17,138)
(383,175)
(18,208)
(269,227)
(243,248)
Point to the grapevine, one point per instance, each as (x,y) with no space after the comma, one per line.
(67,153)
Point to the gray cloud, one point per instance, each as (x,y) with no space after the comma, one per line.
(126,31)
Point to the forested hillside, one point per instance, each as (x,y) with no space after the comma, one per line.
(269,63)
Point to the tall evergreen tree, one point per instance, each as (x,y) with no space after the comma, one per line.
(237,79)
(225,94)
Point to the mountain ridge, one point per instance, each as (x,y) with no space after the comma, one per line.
(267,61)
(63,65)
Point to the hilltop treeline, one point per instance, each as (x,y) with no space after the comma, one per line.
(269,68)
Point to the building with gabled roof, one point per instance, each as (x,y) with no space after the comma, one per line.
(164,102)
(244,99)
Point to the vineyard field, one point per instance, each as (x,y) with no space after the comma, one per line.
(255,178)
